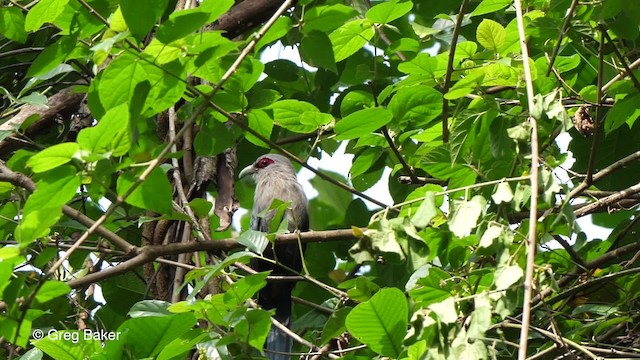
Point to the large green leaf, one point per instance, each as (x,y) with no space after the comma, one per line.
(351,37)
(418,104)
(298,116)
(117,84)
(53,157)
(490,34)
(112,135)
(181,24)
(381,322)
(12,24)
(389,11)
(153,194)
(45,11)
(142,15)
(362,122)
(326,18)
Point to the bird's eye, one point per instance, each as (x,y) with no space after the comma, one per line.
(264,162)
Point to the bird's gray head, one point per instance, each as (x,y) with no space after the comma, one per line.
(267,166)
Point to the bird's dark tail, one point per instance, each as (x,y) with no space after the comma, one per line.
(277,296)
(278,343)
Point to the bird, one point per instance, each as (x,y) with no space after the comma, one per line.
(275,178)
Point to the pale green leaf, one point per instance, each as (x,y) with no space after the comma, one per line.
(53,157)
(507,276)
(388,11)
(351,37)
(503,193)
(45,11)
(490,6)
(490,34)
(426,211)
(446,310)
(465,215)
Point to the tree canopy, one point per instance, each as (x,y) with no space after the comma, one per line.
(125,122)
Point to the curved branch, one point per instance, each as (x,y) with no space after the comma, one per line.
(149,253)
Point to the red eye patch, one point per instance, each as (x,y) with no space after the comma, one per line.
(264,162)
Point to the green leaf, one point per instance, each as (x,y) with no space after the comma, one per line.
(364,160)
(68,345)
(45,11)
(388,11)
(481,317)
(446,310)
(142,15)
(419,104)
(53,157)
(507,276)
(43,207)
(215,8)
(149,308)
(316,50)
(254,327)
(180,346)
(426,211)
(262,124)
(490,6)
(148,336)
(298,116)
(201,207)
(55,189)
(117,84)
(12,24)
(112,135)
(564,64)
(52,56)
(279,29)
(351,37)
(490,34)
(503,193)
(381,322)
(335,325)
(153,194)
(181,24)
(362,122)
(51,290)
(465,215)
(326,18)
(624,111)
(214,138)
(488,237)
(255,241)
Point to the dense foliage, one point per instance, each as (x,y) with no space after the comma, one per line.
(125,122)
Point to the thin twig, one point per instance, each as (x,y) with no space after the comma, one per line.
(596,132)
(621,195)
(533,213)
(572,253)
(563,32)
(447,78)
(620,76)
(558,340)
(605,172)
(396,152)
(603,30)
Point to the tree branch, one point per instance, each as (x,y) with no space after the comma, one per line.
(149,253)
